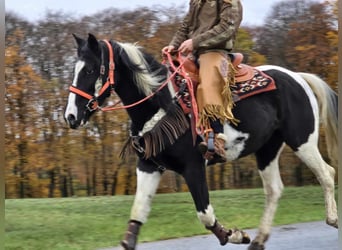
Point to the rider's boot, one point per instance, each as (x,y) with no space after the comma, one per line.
(213,149)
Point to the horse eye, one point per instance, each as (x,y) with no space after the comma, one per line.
(89,72)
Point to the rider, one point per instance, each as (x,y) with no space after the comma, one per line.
(208,31)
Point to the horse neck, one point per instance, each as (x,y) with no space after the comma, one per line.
(139,114)
(134,87)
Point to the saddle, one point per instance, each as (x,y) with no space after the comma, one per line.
(243,72)
(249,81)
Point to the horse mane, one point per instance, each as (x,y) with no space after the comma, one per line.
(148,75)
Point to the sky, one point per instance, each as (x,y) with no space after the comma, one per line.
(255,11)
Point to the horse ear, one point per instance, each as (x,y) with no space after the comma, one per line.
(79,41)
(93,44)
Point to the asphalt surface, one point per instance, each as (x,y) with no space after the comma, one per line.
(304,236)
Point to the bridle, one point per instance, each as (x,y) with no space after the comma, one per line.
(93,104)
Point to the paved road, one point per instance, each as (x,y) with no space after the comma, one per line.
(304,236)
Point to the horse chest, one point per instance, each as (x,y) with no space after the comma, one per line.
(150,124)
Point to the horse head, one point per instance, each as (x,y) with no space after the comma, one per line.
(90,87)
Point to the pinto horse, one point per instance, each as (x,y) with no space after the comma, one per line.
(162,137)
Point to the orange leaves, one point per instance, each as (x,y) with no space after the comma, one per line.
(39,61)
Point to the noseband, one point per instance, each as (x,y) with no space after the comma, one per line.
(93,104)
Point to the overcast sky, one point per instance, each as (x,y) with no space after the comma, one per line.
(255,11)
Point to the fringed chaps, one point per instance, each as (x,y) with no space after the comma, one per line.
(214,97)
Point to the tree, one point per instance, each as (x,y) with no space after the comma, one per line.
(22,84)
(46,159)
(332,36)
(272,39)
(310,49)
(245,45)
(302,36)
(50,47)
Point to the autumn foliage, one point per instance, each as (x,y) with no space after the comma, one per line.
(46,159)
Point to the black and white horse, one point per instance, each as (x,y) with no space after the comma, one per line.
(162,138)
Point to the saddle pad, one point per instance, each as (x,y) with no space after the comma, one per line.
(258,84)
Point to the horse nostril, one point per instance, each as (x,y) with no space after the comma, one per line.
(71,118)
(72,121)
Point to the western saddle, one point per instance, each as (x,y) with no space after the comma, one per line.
(243,72)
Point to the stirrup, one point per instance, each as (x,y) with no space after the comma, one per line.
(207,146)
(209,139)
(219,156)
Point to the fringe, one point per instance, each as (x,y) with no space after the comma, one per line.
(228,102)
(164,133)
(217,112)
(211,112)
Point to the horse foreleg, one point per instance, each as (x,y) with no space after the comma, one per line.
(196,181)
(273,187)
(147,184)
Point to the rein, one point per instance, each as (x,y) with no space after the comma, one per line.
(176,70)
(111,82)
(110,108)
(93,105)
(193,110)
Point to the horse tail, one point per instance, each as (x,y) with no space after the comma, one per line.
(328,108)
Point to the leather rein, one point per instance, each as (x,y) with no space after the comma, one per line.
(93,105)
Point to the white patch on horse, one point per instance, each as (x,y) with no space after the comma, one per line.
(147,184)
(208,218)
(236,142)
(325,174)
(273,188)
(153,121)
(71,108)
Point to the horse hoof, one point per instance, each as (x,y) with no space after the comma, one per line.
(220,232)
(333,223)
(239,237)
(131,236)
(126,245)
(234,236)
(256,246)
(245,238)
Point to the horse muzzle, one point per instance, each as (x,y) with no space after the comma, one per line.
(72,122)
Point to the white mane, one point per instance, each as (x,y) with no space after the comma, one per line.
(146,80)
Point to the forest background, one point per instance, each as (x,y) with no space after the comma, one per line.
(44,158)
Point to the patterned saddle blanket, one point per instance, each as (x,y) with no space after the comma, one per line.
(259,83)
(249,81)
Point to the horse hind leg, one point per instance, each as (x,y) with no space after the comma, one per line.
(268,164)
(325,174)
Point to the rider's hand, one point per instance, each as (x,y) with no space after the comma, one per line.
(168,49)
(186,47)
